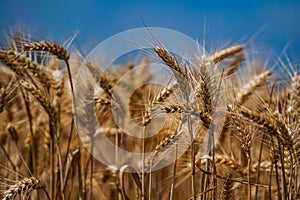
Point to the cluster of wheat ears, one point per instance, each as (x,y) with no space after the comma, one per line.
(256,155)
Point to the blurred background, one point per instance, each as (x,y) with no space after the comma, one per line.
(272,27)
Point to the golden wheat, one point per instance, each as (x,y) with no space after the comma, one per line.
(256,157)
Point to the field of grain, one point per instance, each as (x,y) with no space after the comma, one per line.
(256,156)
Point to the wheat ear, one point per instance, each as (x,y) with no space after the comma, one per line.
(294,94)
(163,95)
(55,49)
(221,55)
(2,98)
(11,59)
(52,48)
(234,64)
(61,53)
(105,84)
(19,62)
(273,124)
(246,144)
(24,187)
(168,59)
(176,108)
(49,108)
(248,88)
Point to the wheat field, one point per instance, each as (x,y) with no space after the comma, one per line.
(256,156)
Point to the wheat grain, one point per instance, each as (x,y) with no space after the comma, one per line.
(171,108)
(102,101)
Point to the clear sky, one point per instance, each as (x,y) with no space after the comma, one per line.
(274,24)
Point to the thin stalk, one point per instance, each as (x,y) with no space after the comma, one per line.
(8,158)
(258,166)
(270,183)
(248,176)
(69,143)
(276,170)
(66,156)
(283,182)
(87,165)
(52,174)
(150,179)
(33,146)
(174,173)
(117,161)
(91,172)
(80,185)
(203,175)
(60,165)
(206,179)
(143,164)
(294,160)
(46,193)
(71,82)
(231,179)
(57,138)
(214,170)
(192,157)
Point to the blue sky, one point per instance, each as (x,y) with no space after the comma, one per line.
(273,23)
